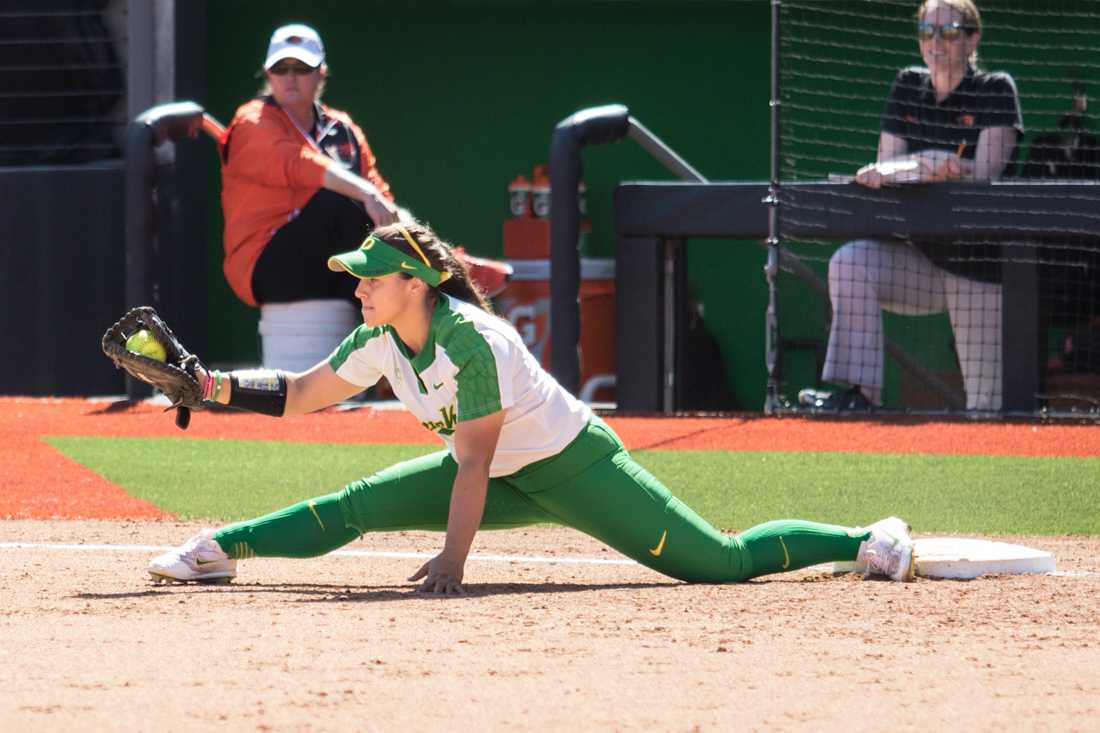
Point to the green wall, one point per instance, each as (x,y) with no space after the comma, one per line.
(456,98)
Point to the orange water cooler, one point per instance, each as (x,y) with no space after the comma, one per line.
(525,302)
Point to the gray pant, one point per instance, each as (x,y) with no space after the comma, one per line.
(867,276)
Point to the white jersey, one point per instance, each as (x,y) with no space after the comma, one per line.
(473,364)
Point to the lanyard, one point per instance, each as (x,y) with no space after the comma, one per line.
(313,143)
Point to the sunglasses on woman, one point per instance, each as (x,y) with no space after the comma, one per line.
(292,67)
(947,31)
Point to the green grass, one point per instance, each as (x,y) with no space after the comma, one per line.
(950,494)
(234,479)
(228,479)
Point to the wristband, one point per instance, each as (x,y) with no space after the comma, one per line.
(258,390)
(217,386)
(208,387)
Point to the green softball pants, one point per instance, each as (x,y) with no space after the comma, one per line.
(593,485)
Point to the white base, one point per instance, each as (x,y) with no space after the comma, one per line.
(963,559)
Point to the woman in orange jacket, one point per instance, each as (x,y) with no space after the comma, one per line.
(299,182)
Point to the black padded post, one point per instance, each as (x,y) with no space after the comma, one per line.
(592,126)
(148,130)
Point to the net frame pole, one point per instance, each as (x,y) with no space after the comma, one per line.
(772,354)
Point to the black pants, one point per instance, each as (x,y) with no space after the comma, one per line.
(294,264)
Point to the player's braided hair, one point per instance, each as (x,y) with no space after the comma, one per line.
(442,258)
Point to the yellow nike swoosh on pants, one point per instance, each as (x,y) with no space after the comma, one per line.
(656,551)
(313,508)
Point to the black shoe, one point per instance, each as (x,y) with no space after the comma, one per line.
(848,400)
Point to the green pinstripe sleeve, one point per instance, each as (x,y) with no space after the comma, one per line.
(478,389)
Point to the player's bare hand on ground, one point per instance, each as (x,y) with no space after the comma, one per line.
(441,575)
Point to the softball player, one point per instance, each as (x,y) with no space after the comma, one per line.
(520,449)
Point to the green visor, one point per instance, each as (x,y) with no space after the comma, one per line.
(376,258)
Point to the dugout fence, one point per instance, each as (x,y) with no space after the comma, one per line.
(1010,329)
(1032,234)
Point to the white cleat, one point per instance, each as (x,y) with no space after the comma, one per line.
(199,560)
(889,550)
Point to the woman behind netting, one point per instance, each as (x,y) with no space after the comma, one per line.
(946,121)
(520,449)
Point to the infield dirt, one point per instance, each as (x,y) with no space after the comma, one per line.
(343,643)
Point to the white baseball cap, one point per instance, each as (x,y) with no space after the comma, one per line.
(295,42)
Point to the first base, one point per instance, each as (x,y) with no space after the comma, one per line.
(955,557)
(962,559)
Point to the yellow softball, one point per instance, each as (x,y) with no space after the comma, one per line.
(144,343)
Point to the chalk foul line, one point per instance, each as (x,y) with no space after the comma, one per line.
(477,557)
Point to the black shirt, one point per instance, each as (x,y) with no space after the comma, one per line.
(982,99)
